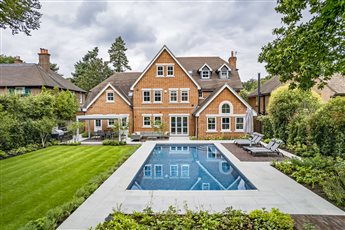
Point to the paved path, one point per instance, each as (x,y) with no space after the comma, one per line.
(274,190)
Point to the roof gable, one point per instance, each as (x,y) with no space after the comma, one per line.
(164,48)
(224,65)
(102,91)
(214,95)
(205,65)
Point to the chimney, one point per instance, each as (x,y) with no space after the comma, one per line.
(232,61)
(44,59)
(18,60)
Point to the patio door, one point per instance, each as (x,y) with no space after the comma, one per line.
(179,125)
(97,125)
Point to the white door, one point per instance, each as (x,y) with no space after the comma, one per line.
(97,125)
(179,125)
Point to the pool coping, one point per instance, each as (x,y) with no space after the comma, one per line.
(273,190)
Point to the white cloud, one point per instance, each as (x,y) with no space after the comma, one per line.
(70,29)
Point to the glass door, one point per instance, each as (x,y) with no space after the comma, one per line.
(179,125)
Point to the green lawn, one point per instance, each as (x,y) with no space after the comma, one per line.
(33,183)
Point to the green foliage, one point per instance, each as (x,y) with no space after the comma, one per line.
(286,104)
(6,59)
(171,219)
(328,173)
(44,127)
(267,128)
(54,67)
(310,45)
(328,126)
(113,143)
(90,71)
(20,15)
(66,105)
(117,55)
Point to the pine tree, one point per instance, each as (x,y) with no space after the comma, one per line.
(117,55)
(90,71)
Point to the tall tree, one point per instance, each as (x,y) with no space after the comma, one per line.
(20,15)
(6,59)
(90,71)
(118,56)
(310,46)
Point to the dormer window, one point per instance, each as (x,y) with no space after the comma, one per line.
(205,72)
(223,72)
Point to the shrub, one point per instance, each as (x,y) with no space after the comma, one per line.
(328,127)
(3,154)
(71,143)
(113,143)
(171,219)
(266,123)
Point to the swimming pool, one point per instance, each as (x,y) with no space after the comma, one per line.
(188,167)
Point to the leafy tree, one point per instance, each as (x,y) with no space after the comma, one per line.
(66,105)
(117,55)
(54,67)
(20,15)
(90,71)
(74,127)
(285,104)
(7,59)
(44,127)
(307,51)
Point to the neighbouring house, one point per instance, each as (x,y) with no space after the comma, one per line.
(29,78)
(191,96)
(334,87)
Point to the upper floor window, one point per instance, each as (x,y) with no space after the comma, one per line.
(170,70)
(200,94)
(110,96)
(184,95)
(160,71)
(224,74)
(225,107)
(158,96)
(205,74)
(173,96)
(146,96)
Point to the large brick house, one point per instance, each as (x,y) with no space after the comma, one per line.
(191,96)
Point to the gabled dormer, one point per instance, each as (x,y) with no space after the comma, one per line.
(205,72)
(224,72)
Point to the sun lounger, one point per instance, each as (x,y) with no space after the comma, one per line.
(268,146)
(265,150)
(256,139)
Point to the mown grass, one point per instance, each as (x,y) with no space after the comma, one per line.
(33,183)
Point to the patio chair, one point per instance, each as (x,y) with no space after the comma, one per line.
(254,141)
(268,146)
(265,150)
(136,136)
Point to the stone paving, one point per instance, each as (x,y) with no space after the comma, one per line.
(274,190)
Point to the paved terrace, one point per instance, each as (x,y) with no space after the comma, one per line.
(274,190)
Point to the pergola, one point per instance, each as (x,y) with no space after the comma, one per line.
(90,117)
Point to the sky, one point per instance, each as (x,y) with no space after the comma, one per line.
(189,28)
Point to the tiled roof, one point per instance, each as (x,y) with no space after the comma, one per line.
(193,64)
(26,74)
(267,87)
(337,84)
(121,81)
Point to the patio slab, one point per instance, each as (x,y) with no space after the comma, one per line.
(274,189)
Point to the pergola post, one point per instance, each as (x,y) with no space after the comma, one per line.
(88,128)
(77,137)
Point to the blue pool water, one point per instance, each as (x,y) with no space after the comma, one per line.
(189,167)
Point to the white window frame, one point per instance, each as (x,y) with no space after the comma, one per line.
(239,130)
(170,91)
(149,166)
(226,76)
(155,116)
(157,71)
(215,124)
(202,94)
(109,125)
(184,90)
(182,175)
(149,116)
(205,186)
(154,95)
(143,95)
(107,96)
(155,171)
(173,71)
(221,107)
(208,74)
(176,170)
(221,125)
(19,90)
(213,152)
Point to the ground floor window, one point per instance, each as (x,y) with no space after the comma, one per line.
(111,122)
(157,119)
(174,170)
(146,121)
(225,123)
(239,123)
(211,124)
